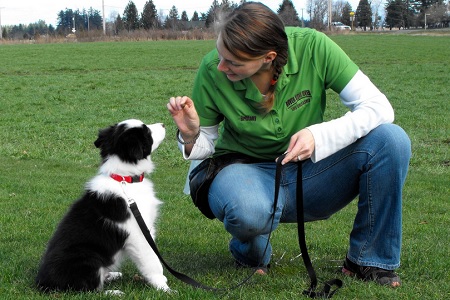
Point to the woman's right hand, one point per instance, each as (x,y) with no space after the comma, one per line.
(185,116)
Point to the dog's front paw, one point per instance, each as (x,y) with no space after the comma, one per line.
(161,285)
(166,289)
(159,282)
(116,293)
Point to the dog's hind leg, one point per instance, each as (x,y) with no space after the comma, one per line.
(114,293)
(111,276)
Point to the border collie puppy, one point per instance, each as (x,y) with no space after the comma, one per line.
(99,230)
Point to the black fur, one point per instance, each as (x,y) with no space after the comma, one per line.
(125,146)
(84,240)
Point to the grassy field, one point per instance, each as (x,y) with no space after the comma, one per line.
(55,97)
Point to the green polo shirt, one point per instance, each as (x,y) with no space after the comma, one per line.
(315,63)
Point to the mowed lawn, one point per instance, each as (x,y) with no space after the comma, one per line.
(55,97)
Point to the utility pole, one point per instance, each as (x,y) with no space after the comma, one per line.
(426,20)
(103,13)
(329,15)
(303,23)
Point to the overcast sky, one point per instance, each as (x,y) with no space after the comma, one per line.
(15,12)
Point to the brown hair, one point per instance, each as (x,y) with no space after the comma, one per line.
(254,29)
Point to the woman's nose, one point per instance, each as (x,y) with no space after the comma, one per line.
(222,66)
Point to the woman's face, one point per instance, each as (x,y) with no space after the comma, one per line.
(237,68)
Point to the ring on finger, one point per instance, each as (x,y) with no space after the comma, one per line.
(298,158)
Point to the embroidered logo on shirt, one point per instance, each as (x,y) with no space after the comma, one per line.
(248,118)
(299,100)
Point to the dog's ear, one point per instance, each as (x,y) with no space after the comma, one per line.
(98,142)
(105,141)
(134,144)
(103,136)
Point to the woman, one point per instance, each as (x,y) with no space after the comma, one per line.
(265,86)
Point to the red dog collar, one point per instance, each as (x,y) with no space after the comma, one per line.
(128,179)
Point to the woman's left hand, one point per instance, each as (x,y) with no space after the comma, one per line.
(301,146)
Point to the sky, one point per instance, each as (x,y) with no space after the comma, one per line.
(15,12)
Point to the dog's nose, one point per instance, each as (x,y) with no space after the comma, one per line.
(163,126)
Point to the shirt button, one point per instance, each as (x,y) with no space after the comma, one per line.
(277,120)
(279,129)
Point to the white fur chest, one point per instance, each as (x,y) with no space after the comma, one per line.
(141,192)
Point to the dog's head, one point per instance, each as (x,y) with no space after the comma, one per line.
(130,140)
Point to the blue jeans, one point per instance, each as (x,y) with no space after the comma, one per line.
(374,167)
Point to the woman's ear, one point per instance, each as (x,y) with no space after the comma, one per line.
(270,56)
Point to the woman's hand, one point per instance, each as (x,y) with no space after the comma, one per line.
(185,116)
(301,146)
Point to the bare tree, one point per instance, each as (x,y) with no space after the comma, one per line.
(376,12)
(338,10)
(317,11)
(438,15)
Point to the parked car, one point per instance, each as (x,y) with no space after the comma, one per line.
(340,26)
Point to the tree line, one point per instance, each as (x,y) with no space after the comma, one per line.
(413,13)
(399,13)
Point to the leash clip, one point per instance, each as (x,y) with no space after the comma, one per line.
(130,200)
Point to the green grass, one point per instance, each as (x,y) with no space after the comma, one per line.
(55,97)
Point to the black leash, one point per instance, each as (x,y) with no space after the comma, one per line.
(326,293)
(180,276)
(184,278)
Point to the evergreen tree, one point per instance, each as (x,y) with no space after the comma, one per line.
(364,14)
(80,21)
(118,25)
(216,10)
(396,11)
(149,16)
(184,23)
(64,21)
(172,19)
(195,16)
(184,16)
(225,5)
(94,18)
(212,14)
(288,14)
(69,19)
(345,18)
(130,17)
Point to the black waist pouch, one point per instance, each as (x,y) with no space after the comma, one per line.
(202,176)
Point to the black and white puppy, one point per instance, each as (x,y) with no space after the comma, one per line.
(99,230)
